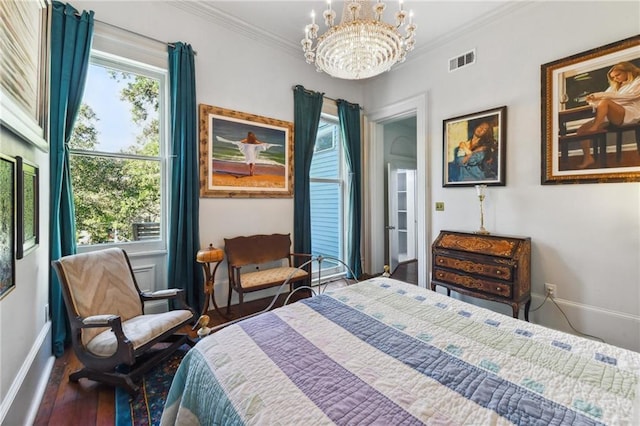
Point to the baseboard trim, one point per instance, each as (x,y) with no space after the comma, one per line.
(616,328)
(36,394)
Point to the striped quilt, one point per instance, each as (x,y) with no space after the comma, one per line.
(385,352)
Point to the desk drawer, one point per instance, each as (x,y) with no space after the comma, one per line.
(501,272)
(500,289)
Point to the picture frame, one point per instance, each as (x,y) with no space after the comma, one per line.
(570,155)
(24,89)
(474,149)
(27,211)
(233,163)
(7,224)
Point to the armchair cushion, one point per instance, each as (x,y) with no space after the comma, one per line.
(270,276)
(102,286)
(139,331)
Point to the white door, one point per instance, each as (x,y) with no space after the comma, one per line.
(401,226)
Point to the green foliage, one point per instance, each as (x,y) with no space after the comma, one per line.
(110,194)
(141,92)
(85,135)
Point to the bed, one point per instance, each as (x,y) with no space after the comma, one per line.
(389,353)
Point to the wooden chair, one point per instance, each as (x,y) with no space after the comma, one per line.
(110,333)
(266,254)
(619,130)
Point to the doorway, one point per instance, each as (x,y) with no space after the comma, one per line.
(400,189)
(379,152)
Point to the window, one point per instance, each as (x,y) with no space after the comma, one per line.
(327,199)
(117,154)
(326,139)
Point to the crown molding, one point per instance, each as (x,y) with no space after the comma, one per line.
(496,14)
(207,10)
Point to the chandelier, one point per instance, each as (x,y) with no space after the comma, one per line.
(362,45)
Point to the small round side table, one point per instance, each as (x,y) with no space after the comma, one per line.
(209,257)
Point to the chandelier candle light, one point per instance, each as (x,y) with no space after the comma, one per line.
(480,189)
(362,45)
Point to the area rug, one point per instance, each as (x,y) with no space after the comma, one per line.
(145,408)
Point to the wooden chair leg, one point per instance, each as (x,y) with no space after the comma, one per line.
(564,151)
(599,145)
(618,145)
(619,142)
(241,303)
(229,299)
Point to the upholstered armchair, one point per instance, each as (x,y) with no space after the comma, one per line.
(111,335)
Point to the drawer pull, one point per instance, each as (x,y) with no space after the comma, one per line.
(441,260)
(498,272)
(498,288)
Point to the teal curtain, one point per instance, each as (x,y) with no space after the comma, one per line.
(349,116)
(184,232)
(71,34)
(307,106)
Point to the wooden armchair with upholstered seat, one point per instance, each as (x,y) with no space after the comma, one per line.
(111,335)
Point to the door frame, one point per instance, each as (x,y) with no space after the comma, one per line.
(375,190)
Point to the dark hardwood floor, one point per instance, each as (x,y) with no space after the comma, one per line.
(90,403)
(406,271)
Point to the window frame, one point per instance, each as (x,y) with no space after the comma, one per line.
(120,63)
(327,115)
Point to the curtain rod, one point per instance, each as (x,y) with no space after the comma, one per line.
(138,34)
(135,33)
(325,97)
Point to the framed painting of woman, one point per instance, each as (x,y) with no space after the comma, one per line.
(474,149)
(591,115)
(244,155)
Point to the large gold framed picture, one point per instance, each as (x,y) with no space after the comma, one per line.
(244,155)
(591,116)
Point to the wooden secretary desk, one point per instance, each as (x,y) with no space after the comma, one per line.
(490,267)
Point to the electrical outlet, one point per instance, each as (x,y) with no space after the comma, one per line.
(439,206)
(550,289)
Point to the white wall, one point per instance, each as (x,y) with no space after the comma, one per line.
(585,238)
(25,338)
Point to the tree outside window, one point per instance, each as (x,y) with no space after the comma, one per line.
(116,157)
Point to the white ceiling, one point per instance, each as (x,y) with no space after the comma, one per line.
(282,22)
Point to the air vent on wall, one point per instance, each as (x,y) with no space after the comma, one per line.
(463,60)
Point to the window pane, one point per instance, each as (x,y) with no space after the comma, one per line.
(116,162)
(123,110)
(326,161)
(325,219)
(113,194)
(326,136)
(326,198)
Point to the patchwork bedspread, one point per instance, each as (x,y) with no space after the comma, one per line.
(389,353)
